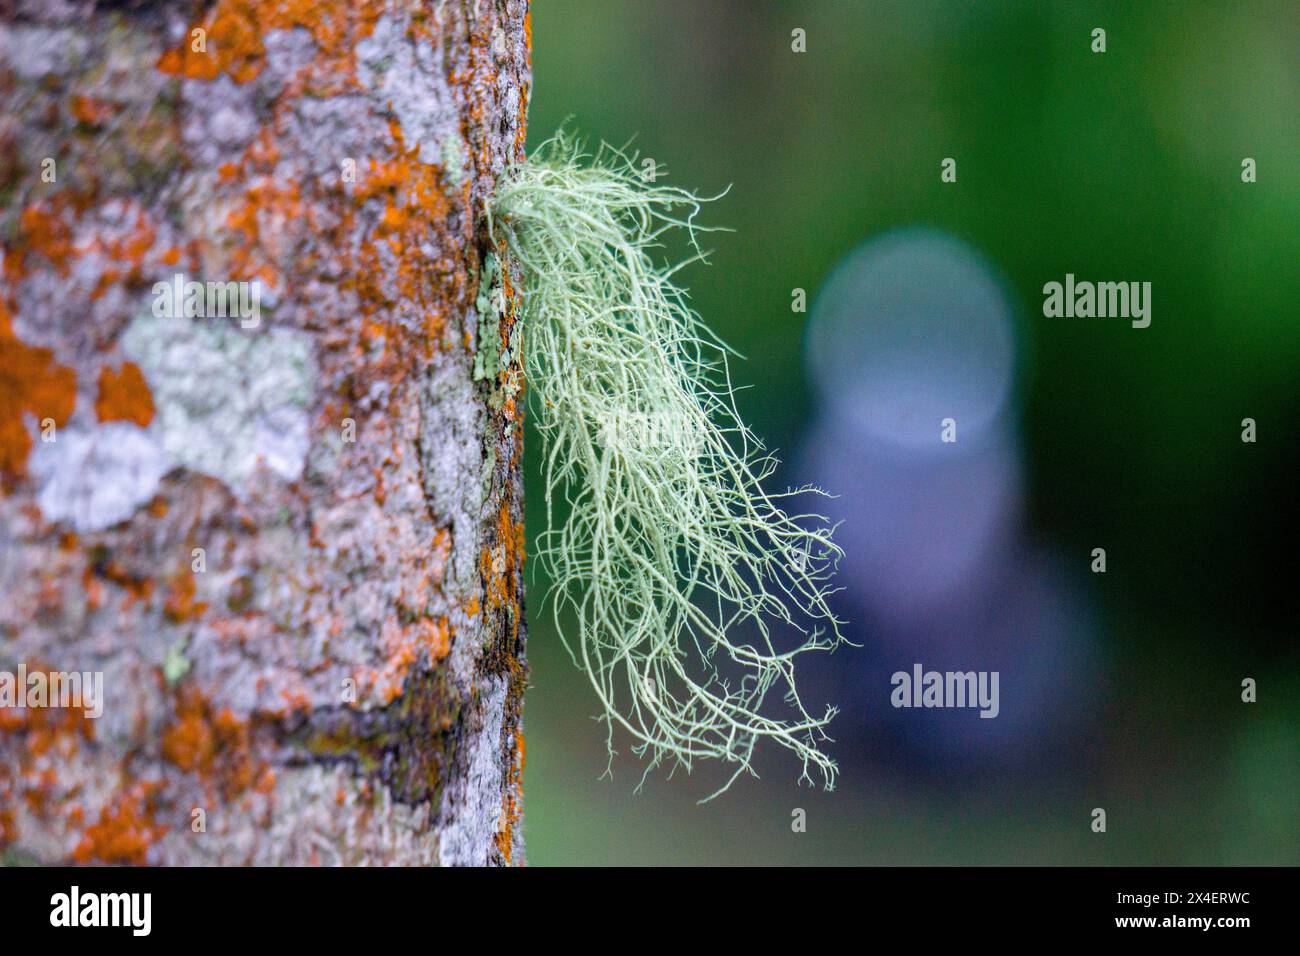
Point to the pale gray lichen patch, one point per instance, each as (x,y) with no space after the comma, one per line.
(33,52)
(92,478)
(487,305)
(454,159)
(408,75)
(226,400)
(225,123)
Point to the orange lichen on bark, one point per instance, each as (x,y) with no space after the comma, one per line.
(124,396)
(512,333)
(267,202)
(512,800)
(125,830)
(31,383)
(32,733)
(499,562)
(138,587)
(440,554)
(43,728)
(232,35)
(92,111)
(49,227)
(93,589)
(383,256)
(411,189)
(43,229)
(413,203)
(130,249)
(180,604)
(107,280)
(213,744)
(406,639)
(525,92)
(435,635)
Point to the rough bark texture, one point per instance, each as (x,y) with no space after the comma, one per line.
(392,562)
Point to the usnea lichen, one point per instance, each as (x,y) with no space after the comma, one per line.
(674,574)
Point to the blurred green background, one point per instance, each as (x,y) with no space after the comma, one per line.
(1122,165)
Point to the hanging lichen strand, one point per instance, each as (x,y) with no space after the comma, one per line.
(684,577)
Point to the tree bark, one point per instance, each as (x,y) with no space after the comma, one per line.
(292,547)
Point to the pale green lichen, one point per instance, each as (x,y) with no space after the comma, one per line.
(671,566)
(176,664)
(487,358)
(454,158)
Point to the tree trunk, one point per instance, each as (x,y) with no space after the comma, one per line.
(290,540)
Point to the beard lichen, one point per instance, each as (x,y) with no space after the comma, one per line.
(670,565)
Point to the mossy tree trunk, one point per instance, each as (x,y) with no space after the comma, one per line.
(291,542)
